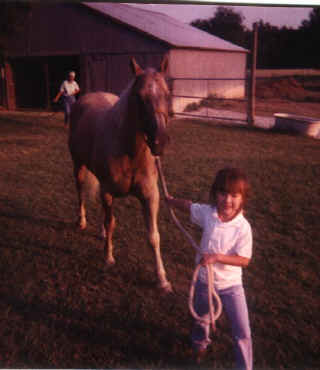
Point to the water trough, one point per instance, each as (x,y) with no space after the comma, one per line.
(300,124)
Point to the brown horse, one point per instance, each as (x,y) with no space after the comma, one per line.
(116,140)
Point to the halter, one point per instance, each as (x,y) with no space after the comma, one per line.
(212,294)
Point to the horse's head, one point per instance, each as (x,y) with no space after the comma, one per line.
(152,99)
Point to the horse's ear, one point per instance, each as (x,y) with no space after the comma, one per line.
(164,65)
(136,69)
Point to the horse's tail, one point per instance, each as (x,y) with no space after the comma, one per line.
(92,186)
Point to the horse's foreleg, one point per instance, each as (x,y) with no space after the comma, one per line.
(109,226)
(80,175)
(151,207)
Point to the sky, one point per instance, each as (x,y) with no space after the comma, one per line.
(275,15)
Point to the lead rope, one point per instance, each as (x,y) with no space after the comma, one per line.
(214,313)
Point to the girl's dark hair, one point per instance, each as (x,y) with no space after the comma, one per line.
(230,180)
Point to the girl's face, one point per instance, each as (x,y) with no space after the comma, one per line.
(228,205)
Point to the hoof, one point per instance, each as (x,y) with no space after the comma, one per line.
(81,224)
(166,287)
(110,261)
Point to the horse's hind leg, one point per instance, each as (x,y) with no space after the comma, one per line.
(80,176)
(150,210)
(109,226)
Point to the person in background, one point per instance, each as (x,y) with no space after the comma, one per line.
(68,91)
(227,244)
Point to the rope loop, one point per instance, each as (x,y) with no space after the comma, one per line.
(214,312)
(212,294)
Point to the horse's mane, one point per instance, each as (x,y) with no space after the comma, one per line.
(119,110)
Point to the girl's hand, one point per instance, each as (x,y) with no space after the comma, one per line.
(181,204)
(209,259)
(168,198)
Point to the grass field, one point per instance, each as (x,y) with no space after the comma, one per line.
(62,307)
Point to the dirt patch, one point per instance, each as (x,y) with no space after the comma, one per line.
(289,88)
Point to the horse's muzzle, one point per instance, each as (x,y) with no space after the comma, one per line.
(158,139)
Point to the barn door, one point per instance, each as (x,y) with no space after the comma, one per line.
(30,83)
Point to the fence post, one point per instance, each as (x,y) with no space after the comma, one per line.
(252,80)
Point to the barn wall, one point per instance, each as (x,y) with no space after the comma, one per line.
(73,29)
(203,64)
(112,72)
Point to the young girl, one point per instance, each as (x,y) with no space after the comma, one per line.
(227,243)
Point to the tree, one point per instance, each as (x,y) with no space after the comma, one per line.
(267,44)
(313,22)
(290,48)
(310,35)
(227,24)
(277,47)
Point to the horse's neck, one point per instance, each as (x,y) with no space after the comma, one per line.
(120,108)
(126,117)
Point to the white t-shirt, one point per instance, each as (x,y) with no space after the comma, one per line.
(69,88)
(230,238)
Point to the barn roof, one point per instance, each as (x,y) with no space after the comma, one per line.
(163,27)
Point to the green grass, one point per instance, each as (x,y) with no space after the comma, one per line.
(62,307)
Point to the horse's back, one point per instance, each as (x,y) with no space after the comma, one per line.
(87,115)
(90,107)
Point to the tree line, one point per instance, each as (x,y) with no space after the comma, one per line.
(282,47)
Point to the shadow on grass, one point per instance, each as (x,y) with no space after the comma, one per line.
(104,330)
(45,222)
(53,223)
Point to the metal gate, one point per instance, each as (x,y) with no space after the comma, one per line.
(205,106)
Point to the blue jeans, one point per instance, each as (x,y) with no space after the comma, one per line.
(67,103)
(234,304)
